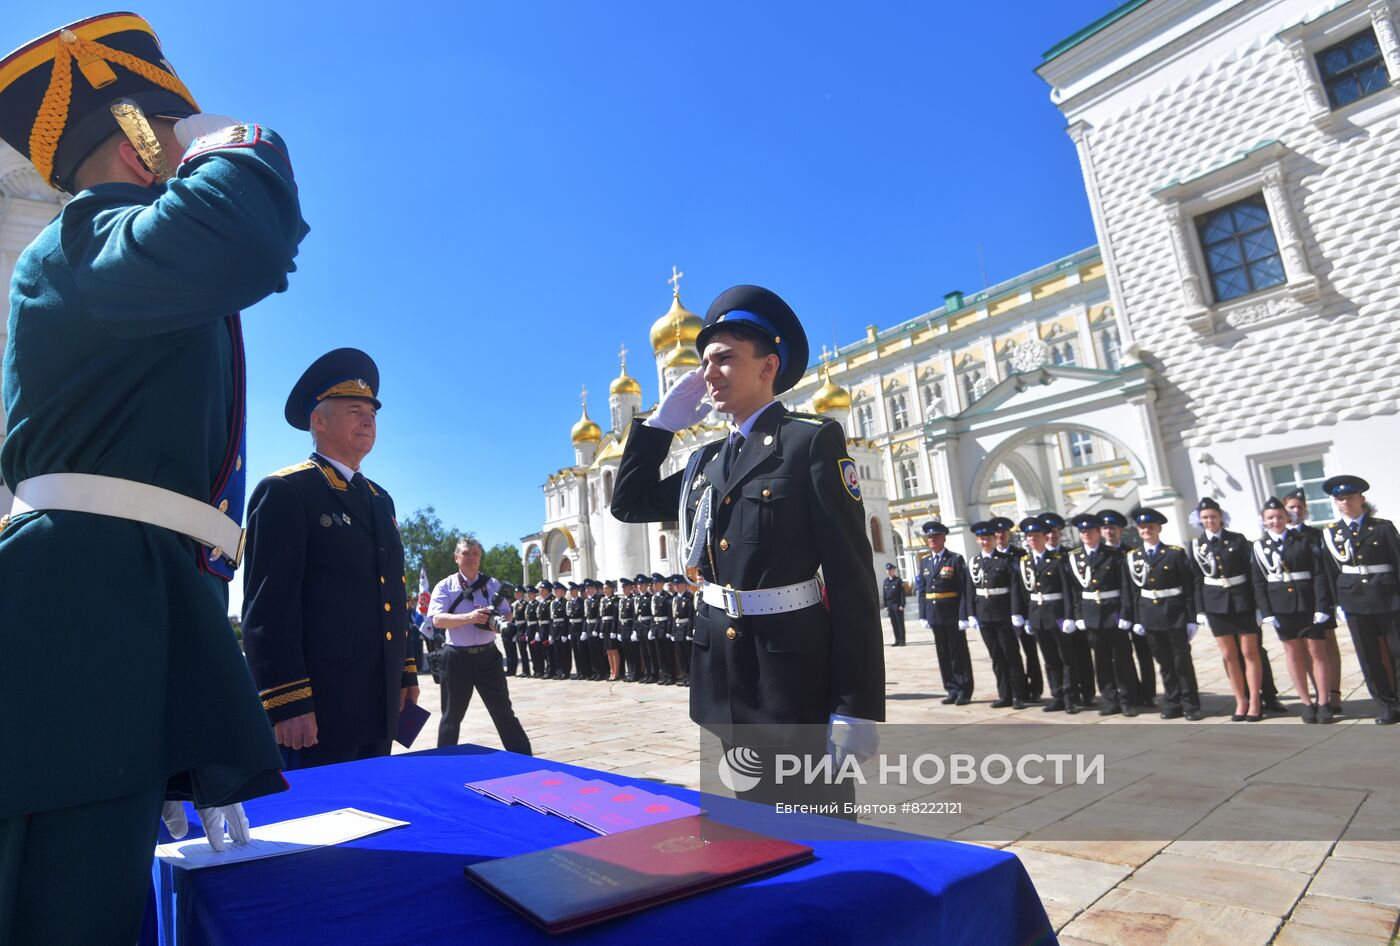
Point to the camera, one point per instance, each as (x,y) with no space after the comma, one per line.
(503,596)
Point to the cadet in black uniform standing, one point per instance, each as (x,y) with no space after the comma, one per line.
(1045,608)
(943,610)
(1035,685)
(993,608)
(1097,604)
(893,593)
(1144,695)
(1161,599)
(760,513)
(661,630)
(682,619)
(1296,505)
(1225,604)
(627,631)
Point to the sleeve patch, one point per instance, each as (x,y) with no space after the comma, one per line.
(234,136)
(849,477)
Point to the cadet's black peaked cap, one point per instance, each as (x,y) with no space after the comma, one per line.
(764,310)
(345,372)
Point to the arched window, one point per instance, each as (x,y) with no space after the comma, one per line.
(877,537)
(607,487)
(566,567)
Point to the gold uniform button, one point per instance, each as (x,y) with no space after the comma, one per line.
(386,606)
(728,500)
(731,633)
(724,545)
(381,579)
(388,635)
(223,505)
(238,463)
(767,493)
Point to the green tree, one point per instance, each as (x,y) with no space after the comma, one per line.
(426,541)
(503,562)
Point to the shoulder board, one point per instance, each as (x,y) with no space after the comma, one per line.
(374,487)
(294,468)
(815,420)
(1176,547)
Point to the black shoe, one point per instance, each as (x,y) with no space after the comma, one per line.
(964,700)
(1129,709)
(1309,713)
(1017,704)
(630,678)
(950,698)
(1237,717)
(1324,713)
(1334,702)
(1389,717)
(1254,719)
(1171,712)
(1112,709)
(1194,715)
(1071,709)
(1002,704)
(1274,706)
(1057,706)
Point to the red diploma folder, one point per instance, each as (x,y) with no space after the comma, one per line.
(574,885)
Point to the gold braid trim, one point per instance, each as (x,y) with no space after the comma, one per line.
(284,686)
(52,118)
(303,694)
(410,666)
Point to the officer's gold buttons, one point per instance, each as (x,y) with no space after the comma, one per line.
(724,545)
(386,606)
(731,633)
(728,500)
(238,463)
(388,635)
(223,505)
(767,493)
(381,579)
(768,441)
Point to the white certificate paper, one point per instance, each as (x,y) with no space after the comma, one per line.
(274,840)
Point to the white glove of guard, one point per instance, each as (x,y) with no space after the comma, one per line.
(1201,619)
(851,736)
(1319,618)
(1079,623)
(1125,626)
(651,635)
(1017,621)
(1271,621)
(962,625)
(927,625)
(1190,631)
(973,624)
(683,405)
(215,820)
(1067,626)
(1139,630)
(197,126)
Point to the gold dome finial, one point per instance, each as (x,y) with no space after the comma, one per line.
(663,330)
(585,431)
(830,397)
(622,384)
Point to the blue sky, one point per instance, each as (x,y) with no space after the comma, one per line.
(497,193)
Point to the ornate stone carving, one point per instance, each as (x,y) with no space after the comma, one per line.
(1265,310)
(981,387)
(1384,25)
(1307,82)
(1029,355)
(19,179)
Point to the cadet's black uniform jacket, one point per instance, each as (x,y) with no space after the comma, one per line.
(1222,574)
(324,623)
(1289,576)
(1358,569)
(1097,583)
(1045,590)
(790,505)
(993,575)
(893,591)
(943,588)
(1147,577)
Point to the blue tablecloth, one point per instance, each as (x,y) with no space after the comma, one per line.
(406,885)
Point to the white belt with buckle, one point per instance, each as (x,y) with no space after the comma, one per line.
(139,502)
(1290,576)
(1359,569)
(738,604)
(1230,582)
(1159,595)
(988,592)
(1097,596)
(1039,598)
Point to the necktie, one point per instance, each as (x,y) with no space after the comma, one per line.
(732,446)
(1355,527)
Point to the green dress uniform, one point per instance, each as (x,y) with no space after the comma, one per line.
(125,361)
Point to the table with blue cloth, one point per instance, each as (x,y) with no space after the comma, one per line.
(405,885)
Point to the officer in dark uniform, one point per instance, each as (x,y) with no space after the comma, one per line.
(1035,685)
(943,610)
(534,608)
(1113,522)
(893,593)
(682,619)
(761,512)
(1097,604)
(1075,645)
(646,637)
(993,609)
(578,645)
(508,633)
(124,363)
(627,631)
(661,628)
(1225,604)
(518,658)
(1161,599)
(1044,608)
(592,632)
(325,633)
(1363,560)
(609,628)
(559,632)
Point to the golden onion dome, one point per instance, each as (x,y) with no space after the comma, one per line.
(585,431)
(831,397)
(623,384)
(678,317)
(682,356)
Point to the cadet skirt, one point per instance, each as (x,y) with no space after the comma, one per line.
(1232,624)
(1292,627)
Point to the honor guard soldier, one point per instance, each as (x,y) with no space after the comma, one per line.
(1034,683)
(943,610)
(893,594)
(627,630)
(1296,505)
(1363,558)
(507,626)
(1076,644)
(993,609)
(1112,523)
(760,513)
(1292,594)
(592,632)
(325,633)
(578,644)
(661,628)
(682,619)
(1161,605)
(535,628)
(1225,603)
(123,381)
(608,626)
(517,656)
(1044,608)
(559,632)
(1097,606)
(646,637)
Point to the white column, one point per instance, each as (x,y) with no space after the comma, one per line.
(1079,134)
(1384,25)
(1301,281)
(1195,313)
(1319,111)
(1088,353)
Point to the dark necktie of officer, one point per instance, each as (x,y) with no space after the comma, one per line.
(732,446)
(1355,527)
(359,489)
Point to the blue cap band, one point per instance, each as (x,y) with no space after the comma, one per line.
(740,315)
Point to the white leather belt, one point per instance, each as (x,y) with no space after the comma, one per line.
(1159,595)
(139,502)
(1346,569)
(1038,598)
(1230,582)
(989,592)
(739,604)
(1097,596)
(1290,576)
(575,620)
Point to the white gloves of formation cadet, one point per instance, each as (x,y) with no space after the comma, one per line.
(216,820)
(683,406)
(851,736)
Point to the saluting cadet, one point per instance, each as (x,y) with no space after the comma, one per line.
(760,513)
(608,627)
(1097,606)
(943,610)
(1113,522)
(1292,594)
(682,615)
(123,377)
(325,633)
(661,627)
(1076,645)
(1034,681)
(993,609)
(893,593)
(1044,608)
(1225,604)
(1296,505)
(521,628)
(1363,556)
(1161,601)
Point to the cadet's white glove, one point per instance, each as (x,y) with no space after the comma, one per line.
(1017,621)
(927,626)
(1201,619)
(973,624)
(1318,618)
(1067,626)
(1271,621)
(1139,630)
(683,405)
(214,819)
(1190,631)
(1079,623)
(851,736)
(1125,626)
(197,126)
(962,625)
